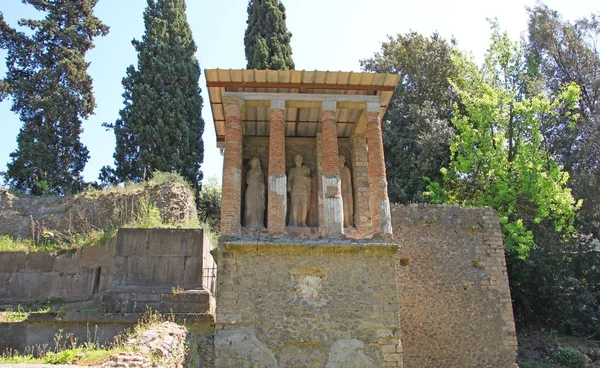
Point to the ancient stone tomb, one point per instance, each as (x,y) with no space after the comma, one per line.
(306,269)
(304,151)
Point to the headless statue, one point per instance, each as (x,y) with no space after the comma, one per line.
(254,209)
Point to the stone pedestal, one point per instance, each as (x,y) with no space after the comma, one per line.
(314,304)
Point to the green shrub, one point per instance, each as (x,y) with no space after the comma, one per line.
(569,357)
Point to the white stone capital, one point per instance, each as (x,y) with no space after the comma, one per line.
(278,104)
(329,105)
(373,107)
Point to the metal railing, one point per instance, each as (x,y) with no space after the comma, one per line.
(209,279)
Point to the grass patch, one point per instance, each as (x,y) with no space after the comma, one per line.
(10,244)
(50,241)
(19,315)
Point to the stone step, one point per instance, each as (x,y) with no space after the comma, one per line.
(128,299)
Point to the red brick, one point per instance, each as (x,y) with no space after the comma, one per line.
(232,170)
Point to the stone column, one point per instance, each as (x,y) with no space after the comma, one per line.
(331,186)
(277,196)
(360,184)
(380,204)
(231,202)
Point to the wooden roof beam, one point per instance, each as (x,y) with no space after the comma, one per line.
(307,97)
(355,87)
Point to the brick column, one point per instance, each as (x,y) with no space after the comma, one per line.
(319,174)
(277,196)
(333,210)
(231,202)
(380,204)
(360,184)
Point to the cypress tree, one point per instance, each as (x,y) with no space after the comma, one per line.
(267,39)
(160,127)
(51,91)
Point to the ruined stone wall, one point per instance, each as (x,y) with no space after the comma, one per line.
(314,304)
(20,216)
(68,276)
(136,257)
(454,298)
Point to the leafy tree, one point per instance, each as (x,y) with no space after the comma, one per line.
(564,53)
(51,91)
(209,204)
(416,126)
(160,127)
(498,157)
(267,39)
(558,285)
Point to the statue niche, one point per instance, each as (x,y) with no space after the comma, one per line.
(254,209)
(347,199)
(299,183)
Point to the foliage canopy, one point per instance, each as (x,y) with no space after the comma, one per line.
(160,127)
(51,91)
(498,157)
(416,126)
(267,40)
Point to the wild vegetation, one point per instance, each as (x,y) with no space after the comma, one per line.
(518,133)
(66,349)
(146,214)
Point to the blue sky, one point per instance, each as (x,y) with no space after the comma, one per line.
(327,35)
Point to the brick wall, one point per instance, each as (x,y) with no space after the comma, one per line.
(454,298)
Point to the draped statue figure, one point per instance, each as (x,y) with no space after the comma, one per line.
(254,209)
(298,184)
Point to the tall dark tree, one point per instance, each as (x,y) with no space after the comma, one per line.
(416,125)
(160,127)
(51,91)
(267,39)
(566,52)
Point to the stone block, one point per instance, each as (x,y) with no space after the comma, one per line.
(39,262)
(174,242)
(193,271)
(159,242)
(131,242)
(27,286)
(147,271)
(120,270)
(13,261)
(68,263)
(79,284)
(94,256)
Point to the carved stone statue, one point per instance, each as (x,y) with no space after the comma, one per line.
(254,209)
(299,183)
(347,199)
